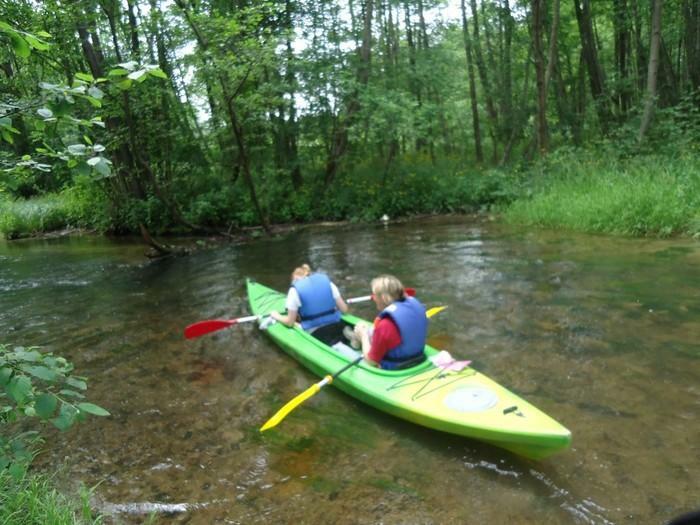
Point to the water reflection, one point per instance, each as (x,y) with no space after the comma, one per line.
(601,333)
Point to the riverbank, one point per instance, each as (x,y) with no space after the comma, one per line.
(577,190)
(651,196)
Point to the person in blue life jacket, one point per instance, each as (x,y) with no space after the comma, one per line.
(315,302)
(397,339)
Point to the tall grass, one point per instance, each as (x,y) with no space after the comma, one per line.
(83,205)
(33,500)
(641,196)
(25,217)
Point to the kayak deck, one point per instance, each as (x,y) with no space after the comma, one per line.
(465,402)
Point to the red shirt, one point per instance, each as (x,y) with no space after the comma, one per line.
(386,336)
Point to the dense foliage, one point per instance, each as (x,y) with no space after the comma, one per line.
(295,110)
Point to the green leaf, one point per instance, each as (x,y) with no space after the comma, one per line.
(40,372)
(45,112)
(62,422)
(66,417)
(36,43)
(29,356)
(5,375)
(77,149)
(43,34)
(101,166)
(19,389)
(118,72)
(45,405)
(85,76)
(157,73)
(71,393)
(96,103)
(93,409)
(139,75)
(95,92)
(128,65)
(20,45)
(6,136)
(125,84)
(77,383)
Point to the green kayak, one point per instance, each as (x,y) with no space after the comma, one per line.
(460,401)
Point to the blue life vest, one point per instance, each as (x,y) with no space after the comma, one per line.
(409,316)
(317,304)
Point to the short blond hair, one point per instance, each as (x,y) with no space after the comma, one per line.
(301,271)
(388,288)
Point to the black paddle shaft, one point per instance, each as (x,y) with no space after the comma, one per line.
(349,365)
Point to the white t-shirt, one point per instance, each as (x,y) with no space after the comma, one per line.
(294,301)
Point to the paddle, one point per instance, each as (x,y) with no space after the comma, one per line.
(201,328)
(314,389)
(205,327)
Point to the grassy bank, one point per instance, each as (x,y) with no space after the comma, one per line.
(588,191)
(593,192)
(20,218)
(33,500)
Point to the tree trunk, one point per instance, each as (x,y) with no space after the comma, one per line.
(590,54)
(691,16)
(652,71)
(506,106)
(541,118)
(483,76)
(472,86)
(622,52)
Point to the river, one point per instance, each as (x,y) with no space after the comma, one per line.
(599,332)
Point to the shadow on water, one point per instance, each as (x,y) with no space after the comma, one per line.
(600,333)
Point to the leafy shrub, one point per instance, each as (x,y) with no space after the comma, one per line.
(36,385)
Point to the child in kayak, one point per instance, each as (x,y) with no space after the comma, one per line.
(397,339)
(315,301)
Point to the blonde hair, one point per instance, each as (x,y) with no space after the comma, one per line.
(388,288)
(301,271)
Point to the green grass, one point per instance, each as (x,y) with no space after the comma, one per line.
(643,196)
(33,500)
(21,218)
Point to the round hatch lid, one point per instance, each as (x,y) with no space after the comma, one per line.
(471,399)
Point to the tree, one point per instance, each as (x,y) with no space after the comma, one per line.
(653,69)
(472,85)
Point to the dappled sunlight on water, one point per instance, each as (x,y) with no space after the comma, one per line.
(600,333)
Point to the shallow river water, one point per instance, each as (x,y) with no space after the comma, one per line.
(601,333)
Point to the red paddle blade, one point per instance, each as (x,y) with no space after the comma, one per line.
(205,327)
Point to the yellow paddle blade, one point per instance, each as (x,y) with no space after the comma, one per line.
(434,310)
(291,405)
